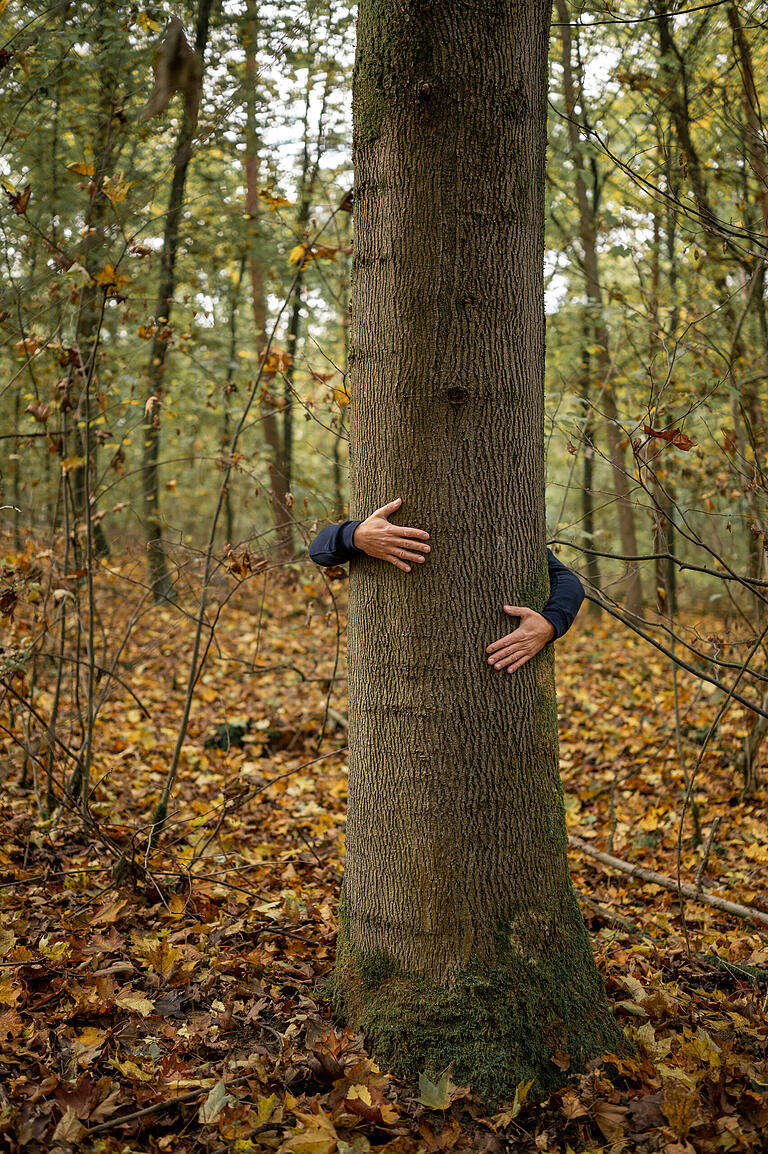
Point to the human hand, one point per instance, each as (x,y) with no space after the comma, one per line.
(530,637)
(397,544)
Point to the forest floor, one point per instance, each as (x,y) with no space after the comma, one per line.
(169,998)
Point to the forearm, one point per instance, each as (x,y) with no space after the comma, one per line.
(334,545)
(566,594)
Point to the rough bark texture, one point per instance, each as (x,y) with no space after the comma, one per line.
(606,400)
(460,937)
(159,575)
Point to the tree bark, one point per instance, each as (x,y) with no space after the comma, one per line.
(279,486)
(159,576)
(633,592)
(461,940)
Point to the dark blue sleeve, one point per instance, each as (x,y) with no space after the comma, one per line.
(333,545)
(566,594)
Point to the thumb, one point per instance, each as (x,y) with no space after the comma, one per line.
(517,610)
(388,509)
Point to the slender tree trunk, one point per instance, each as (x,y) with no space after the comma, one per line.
(461,940)
(633,592)
(273,437)
(229,388)
(588,470)
(159,575)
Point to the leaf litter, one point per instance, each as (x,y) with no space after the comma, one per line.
(174,1002)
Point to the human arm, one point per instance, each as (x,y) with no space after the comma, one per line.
(536,629)
(375,537)
(335,544)
(566,594)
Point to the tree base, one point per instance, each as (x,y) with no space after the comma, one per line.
(523,1019)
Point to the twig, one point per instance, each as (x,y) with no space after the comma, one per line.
(158,1106)
(666,883)
(705,855)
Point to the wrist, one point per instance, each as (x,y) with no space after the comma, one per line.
(359,537)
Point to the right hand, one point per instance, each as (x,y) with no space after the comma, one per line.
(397,544)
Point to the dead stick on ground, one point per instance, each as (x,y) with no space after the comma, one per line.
(156,1107)
(669,883)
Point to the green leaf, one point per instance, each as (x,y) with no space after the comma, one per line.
(217,1099)
(437,1095)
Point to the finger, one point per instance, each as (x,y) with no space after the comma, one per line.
(509,659)
(517,610)
(410,531)
(410,543)
(505,659)
(388,509)
(518,664)
(502,643)
(405,555)
(398,564)
(509,649)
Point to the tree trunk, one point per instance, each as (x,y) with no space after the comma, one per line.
(278,495)
(159,576)
(460,940)
(633,593)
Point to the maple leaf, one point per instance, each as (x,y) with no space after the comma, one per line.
(438,1095)
(110,280)
(116,189)
(277,361)
(370,1103)
(317,1136)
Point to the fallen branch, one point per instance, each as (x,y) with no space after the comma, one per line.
(156,1107)
(688,891)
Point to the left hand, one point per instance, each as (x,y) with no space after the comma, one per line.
(530,637)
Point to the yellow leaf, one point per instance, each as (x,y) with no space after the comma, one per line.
(111,280)
(265,1108)
(318,1136)
(341,396)
(146,23)
(11,992)
(130,1070)
(70,463)
(361,1092)
(81,169)
(116,189)
(273,201)
(296,255)
(130,1001)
